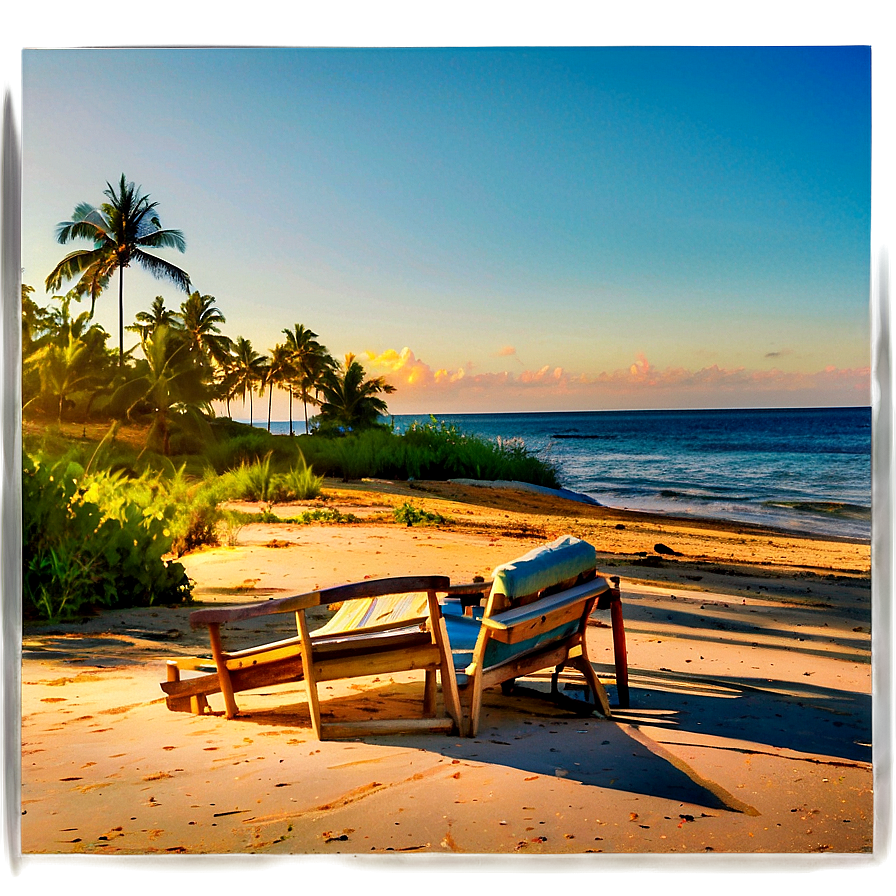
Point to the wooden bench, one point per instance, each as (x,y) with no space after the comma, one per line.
(535,616)
(383,625)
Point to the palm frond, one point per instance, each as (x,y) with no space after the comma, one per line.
(94,229)
(162,269)
(163,239)
(72,265)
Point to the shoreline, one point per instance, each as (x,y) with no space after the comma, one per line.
(749,728)
(718,521)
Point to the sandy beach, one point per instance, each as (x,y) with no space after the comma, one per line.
(749,730)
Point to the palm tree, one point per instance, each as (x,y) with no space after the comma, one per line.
(311,362)
(279,372)
(200,318)
(158,316)
(166,385)
(63,369)
(121,230)
(350,401)
(248,370)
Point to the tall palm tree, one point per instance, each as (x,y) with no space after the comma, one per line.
(279,372)
(311,362)
(248,370)
(121,230)
(349,400)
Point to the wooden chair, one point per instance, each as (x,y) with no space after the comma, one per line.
(535,616)
(384,625)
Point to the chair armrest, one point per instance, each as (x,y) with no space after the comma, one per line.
(467,588)
(336,594)
(509,619)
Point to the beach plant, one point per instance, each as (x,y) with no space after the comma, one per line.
(87,543)
(409,514)
(251,481)
(301,483)
(238,444)
(121,230)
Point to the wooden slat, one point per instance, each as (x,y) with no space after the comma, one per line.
(188,687)
(374,727)
(369,588)
(544,623)
(519,615)
(192,664)
(525,665)
(357,665)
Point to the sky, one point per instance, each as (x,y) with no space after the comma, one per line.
(493,230)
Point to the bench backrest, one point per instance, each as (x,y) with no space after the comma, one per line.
(528,583)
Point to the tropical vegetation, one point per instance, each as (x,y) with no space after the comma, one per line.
(104,520)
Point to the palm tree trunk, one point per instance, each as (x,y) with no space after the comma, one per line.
(270,397)
(290,411)
(305,403)
(121,316)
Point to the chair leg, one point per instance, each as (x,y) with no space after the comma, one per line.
(601,700)
(619,652)
(429,694)
(447,674)
(308,671)
(230,707)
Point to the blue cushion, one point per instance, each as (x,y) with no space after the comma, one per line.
(562,559)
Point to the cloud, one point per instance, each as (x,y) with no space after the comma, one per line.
(638,385)
(506,351)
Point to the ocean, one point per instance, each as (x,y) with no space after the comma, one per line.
(805,470)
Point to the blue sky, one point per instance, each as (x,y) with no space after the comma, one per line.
(503,229)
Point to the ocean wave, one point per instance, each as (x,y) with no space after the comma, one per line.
(590,437)
(827,508)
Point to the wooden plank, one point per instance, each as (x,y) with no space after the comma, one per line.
(374,727)
(361,664)
(191,664)
(525,665)
(544,623)
(517,615)
(324,597)
(267,653)
(242,612)
(189,687)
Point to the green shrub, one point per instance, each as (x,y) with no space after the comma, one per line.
(86,544)
(249,482)
(411,515)
(433,450)
(300,483)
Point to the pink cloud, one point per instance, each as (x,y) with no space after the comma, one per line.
(638,385)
